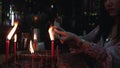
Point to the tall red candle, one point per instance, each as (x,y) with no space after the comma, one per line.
(33,60)
(52,49)
(7,50)
(8,38)
(52,53)
(15,46)
(51,33)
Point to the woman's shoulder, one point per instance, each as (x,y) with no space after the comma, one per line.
(92,34)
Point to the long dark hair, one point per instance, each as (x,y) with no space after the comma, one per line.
(118,34)
(106,22)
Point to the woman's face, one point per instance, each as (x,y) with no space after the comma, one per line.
(112,7)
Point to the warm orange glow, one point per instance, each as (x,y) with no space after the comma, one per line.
(15,37)
(31,47)
(12,31)
(51,33)
(35,18)
(35,36)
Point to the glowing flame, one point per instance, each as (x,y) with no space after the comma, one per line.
(35,18)
(31,47)
(51,33)
(35,36)
(12,31)
(15,37)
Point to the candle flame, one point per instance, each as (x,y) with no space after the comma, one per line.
(35,36)
(12,31)
(35,18)
(31,47)
(15,37)
(51,33)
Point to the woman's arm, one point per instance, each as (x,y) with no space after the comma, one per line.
(93,50)
(87,47)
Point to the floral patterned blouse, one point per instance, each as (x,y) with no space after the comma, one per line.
(105,53)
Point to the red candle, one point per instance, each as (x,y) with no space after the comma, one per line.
(15,45)
(52,49)
(7,50)
(51,33)
(57,54)
(8,38)
(33,60)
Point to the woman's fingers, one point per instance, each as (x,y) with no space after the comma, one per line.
(62,35)
(58,28)
(59,32)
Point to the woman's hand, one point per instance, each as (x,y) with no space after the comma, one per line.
(68,38)
(64,36)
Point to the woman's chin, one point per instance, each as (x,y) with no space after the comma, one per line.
(113,14)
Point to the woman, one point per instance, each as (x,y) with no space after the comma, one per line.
(102,44)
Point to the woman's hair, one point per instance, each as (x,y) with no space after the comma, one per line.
(118,34)
(106,22)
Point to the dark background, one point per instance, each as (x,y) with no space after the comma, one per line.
(78,16)
(72,12)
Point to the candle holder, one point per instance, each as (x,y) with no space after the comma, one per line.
(42,59)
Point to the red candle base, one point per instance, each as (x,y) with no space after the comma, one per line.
(7,50)
(52,49)
(15,46)
(35,44)
(52,54)
(15,50)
